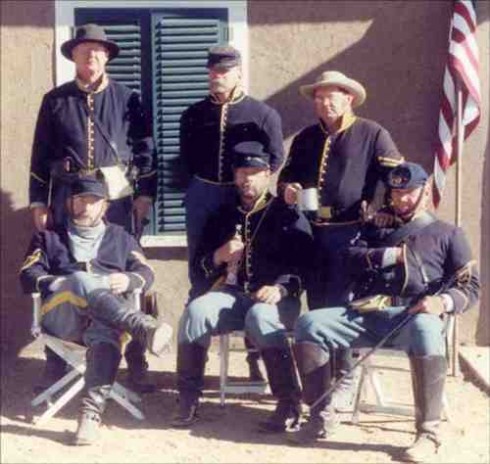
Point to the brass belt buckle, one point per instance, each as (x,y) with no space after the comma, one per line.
(325,212)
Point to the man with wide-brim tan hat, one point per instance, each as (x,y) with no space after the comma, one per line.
(340,80)
(93,125)
(341,158)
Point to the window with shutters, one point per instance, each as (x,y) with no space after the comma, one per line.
(163,57)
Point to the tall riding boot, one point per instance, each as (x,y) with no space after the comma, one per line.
(54,370)
(191,361)
(253,357)
(102,364)
(112,310)
(428,378)
(344,393)
(283,381)
(138,367)
(315,371)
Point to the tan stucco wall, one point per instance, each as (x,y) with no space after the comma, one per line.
(397,49)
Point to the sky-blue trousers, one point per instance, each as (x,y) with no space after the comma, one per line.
(228,308)
(334,328)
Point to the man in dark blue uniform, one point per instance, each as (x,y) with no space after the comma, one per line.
(421,268)
(94,125)
(83,271)
(252,259)
(344,157)
(208,131)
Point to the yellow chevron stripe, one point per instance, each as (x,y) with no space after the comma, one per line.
(61,298)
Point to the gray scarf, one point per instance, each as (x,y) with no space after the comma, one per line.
(84,241)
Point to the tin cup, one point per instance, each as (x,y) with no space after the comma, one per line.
(308,199)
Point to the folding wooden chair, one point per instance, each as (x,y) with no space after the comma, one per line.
(370,371)
(237,387)
(74,355)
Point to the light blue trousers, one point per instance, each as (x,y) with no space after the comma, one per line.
(220,312)
(68,318)
(334,328)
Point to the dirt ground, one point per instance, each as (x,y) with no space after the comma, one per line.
(228,434)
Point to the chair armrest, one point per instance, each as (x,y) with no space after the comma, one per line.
(36,315)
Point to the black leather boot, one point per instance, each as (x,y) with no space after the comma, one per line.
(191,361)
(102,364)
(315,372)
(138,378)
(113,310)
(428,378)
(283,381)
(253,356)
(54,369)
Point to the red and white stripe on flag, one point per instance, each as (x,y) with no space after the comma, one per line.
(463,67)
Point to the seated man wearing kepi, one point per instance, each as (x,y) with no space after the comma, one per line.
(420,269)
(254,253)
(83,271)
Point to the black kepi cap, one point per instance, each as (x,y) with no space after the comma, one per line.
(250,154)
(224,56)
(88,186)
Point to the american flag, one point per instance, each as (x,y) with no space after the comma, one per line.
(462,67)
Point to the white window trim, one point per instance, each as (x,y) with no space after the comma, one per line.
(65,70)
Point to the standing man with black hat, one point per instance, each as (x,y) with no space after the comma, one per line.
(257,279)
(208,131)
(83,271)
(343,157)
(94,125)
(416,271)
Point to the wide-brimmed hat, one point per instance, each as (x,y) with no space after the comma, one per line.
(89,33)
(338,79)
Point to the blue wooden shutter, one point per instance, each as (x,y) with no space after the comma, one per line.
(180,44)
(126,68)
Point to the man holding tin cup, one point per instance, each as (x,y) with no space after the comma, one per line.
(332,172)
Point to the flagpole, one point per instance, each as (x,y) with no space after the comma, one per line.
(459,185)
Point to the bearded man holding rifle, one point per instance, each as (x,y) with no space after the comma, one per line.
(410,276)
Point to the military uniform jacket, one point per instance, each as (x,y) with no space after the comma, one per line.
(49,256)
(345,166)
(209,130)
(277,240)
(68,136)
(436,258)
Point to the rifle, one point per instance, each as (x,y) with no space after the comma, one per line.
(378,345)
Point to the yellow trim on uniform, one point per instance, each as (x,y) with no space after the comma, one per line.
(150,174)
(61,298)
(104,82)
(32,259)
(212,182)
(38,178)
(323,223)
(405,267)
(260,204)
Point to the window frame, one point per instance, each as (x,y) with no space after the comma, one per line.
(65,70)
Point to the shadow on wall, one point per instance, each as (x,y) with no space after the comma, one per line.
(15,315)
(401,72)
